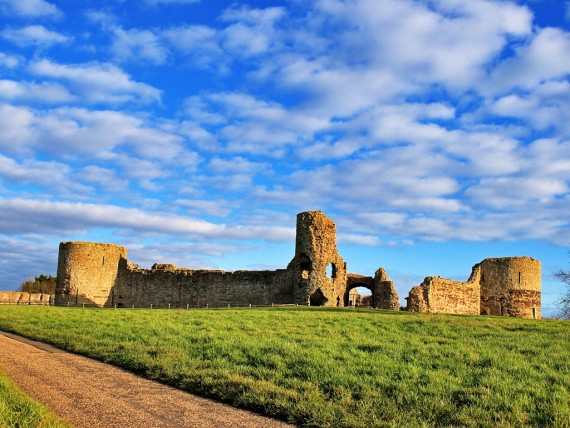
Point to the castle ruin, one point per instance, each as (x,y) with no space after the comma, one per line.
(100,274)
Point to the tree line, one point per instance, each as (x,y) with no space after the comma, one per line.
(40,284)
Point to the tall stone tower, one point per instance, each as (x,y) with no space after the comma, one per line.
(510,286)
(87,273)
(317,272)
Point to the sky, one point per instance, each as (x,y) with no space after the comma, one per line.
(433,133)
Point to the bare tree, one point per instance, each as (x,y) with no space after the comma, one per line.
(564,302)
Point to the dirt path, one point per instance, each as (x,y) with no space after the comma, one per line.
(92,394)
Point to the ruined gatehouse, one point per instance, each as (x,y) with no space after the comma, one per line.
(101,274)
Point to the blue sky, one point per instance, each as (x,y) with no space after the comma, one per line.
(434,133)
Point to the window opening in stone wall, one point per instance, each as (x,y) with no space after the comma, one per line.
(519,277)
(482,277)
(103,263)
(305,268)
(331,271)
(534,313)
(318,298)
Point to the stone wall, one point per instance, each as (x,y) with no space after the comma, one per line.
(511,286)
(87,272)
(166,285)
(442,295)
(100,274)
(23,298)
(385,295)
(507,286)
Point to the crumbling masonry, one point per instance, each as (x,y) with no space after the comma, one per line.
(100,274)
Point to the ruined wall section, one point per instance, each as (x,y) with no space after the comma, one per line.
(317,273)
(511,286)
(385,295)
(87,272)
(441,295)
(166,285)
(23,298)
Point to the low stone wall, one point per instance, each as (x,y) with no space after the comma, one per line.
(167,286)
(23,298)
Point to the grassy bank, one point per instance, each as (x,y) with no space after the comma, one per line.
(330,367)
(19,410)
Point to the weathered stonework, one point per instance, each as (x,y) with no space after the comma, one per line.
(100,274)
(508,286)
(385,295)
(511,286)
(87,272)
(317,272)
(23,298)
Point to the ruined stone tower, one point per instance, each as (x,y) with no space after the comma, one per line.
(87,272)
(506,286)
(510,286)
(317,272)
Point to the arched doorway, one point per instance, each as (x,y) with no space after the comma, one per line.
(358,296)
(356,293)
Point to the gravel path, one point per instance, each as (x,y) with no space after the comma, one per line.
(91,394)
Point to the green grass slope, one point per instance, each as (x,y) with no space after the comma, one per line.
(331,367)
(18,410)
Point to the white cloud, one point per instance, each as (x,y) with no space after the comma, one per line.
(547,106)
(97,82)
(26,216)
(236,164)
(200,207)
(16,128)
(29,8)
(378,50)
(34,92)
(34,35)
(200,43)
(545,57)
(138,45)
(31,171)
(96,133)
(106,178)
(247,124)
(252,32)
(9,61)
(516,192)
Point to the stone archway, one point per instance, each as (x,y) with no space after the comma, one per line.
(353,281)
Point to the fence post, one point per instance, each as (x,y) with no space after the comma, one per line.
(187,305)
(151,305)
(169,306)
(228,305)
(250,306)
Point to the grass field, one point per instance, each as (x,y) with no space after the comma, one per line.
(17,410)
(329,367)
